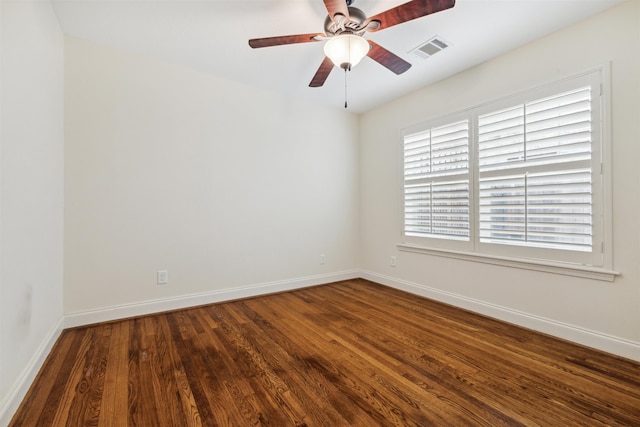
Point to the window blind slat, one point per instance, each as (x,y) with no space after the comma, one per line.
(570,97)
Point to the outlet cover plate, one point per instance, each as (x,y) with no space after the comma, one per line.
(162,277)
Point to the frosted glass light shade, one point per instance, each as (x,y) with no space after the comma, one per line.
(346,50)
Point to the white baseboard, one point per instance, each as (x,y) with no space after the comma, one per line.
(155,306)
(10,404)
(589,338)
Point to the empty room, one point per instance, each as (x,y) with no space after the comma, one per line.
(319,213)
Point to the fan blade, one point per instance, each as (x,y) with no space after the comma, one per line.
(408,11)
(282,40)
(323,72)
(387,59)
(337,7)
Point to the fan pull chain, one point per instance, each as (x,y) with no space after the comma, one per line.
(347,68)
(345,87)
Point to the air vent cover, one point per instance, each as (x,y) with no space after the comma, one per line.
(430,48)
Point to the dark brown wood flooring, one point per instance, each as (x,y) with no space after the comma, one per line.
(352,353)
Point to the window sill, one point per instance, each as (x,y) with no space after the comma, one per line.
(583,271)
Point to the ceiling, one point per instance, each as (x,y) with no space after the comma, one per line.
(211,36)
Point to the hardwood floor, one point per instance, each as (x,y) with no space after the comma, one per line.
(351,353)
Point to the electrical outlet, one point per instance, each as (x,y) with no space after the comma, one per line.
(163,277)
(323,259)
(393,261)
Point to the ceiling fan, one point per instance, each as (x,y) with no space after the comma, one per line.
(344,28)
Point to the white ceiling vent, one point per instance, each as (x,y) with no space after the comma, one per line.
(430,48)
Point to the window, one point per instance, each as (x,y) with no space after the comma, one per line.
(521,177)
(436,165)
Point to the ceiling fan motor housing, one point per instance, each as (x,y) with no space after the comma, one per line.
(353,24)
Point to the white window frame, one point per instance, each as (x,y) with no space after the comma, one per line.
(597,264)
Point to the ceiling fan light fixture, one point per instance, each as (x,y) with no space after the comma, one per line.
(346,50)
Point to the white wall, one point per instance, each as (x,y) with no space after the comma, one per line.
(31,194)
(223,185)
(601,314)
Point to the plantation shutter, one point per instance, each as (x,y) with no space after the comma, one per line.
(535,178)
(436,182)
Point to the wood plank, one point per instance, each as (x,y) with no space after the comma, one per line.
(352,353)
(114,400)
